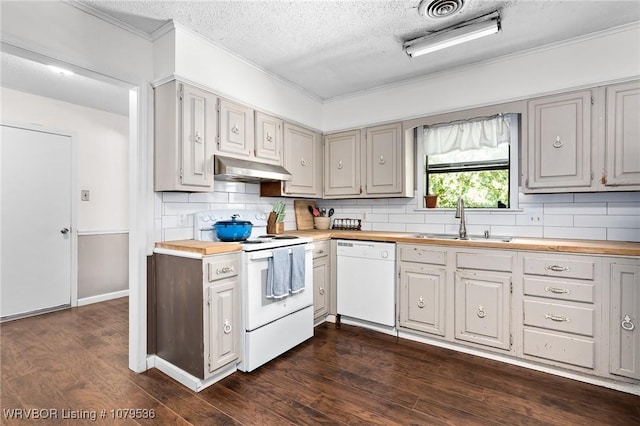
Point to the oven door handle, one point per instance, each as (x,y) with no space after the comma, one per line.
(265,254)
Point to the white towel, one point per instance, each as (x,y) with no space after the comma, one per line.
(278,274)
(297,268)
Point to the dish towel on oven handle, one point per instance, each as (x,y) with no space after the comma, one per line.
(297,268)
(278,274)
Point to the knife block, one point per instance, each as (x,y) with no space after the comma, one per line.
(274,227)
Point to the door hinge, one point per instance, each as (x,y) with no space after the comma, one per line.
(181,173)
(511,287)
(593,101)
(181,92)
(209,300)
(360,189)
(218,105)
(510,340)
(218,140)
(209,361)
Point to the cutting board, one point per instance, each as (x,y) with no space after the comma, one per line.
(304,218)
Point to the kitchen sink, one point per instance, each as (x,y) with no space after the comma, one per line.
(469,238)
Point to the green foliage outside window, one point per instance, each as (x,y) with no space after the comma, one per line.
(479,189)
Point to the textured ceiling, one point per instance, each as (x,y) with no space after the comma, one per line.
(332,48)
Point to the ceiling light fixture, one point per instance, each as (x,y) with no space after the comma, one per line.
(59,70)
(461,33)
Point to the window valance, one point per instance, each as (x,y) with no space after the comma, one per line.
(467,135)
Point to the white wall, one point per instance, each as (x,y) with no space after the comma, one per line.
(588,61)
(101,140)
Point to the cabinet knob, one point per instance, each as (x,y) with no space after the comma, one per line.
(340,166)
(381,160)
(627,324)
(481,312)
(197,138)
(420,302)
(558,142)
(303,162)
(235,129)
(226,328)
(269,137)
(321,291)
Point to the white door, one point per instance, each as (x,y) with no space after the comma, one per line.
(36,221)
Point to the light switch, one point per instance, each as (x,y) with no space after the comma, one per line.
(84,195)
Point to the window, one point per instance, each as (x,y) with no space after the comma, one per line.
(473,159)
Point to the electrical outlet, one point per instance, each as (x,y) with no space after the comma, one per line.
(84,195)
(182,219)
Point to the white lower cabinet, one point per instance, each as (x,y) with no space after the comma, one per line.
(561,308)
(423,289)
(321,279)
(624,317)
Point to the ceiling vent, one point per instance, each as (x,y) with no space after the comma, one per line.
(437,9)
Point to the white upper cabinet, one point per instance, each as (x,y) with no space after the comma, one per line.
(236,131)
(185,132)
(268,141)
(558,151)
(303,159)
(369,163)
(622,140)
(342,164)
(385,159)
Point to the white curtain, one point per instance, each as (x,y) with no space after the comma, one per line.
(467,135)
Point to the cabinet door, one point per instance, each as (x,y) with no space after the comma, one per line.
(303,159)
(625,320)
(422,298)
(321,277)
(384,156)
(559,142)
(622,151)
(198,133)
(268,138)
(224,323)
(342,164)
(236,129)
(483,308)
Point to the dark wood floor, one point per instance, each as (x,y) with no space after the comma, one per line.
(77,360)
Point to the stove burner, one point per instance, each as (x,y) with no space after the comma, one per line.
(285,237)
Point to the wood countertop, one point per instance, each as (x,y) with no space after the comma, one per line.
(616,248)
(200,247)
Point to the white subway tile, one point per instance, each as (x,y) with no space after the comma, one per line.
(602,197)
(235,197)
(389,227)
(576,233)
(377,217)
(576,208)
(223,186)
(622,234)
(406,218)
(208,197)
(175,197)
(426,228)
(169,222)
(491,219)
(624,208)
(544,198)
(175,208)
(252,188)
(557,220)
(374,202)
(398,209)
(157,205)
(529,231)
(172,234)
(443,218)
(607,221)
(358,210)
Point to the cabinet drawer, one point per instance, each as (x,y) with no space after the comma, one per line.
(321,248)
(561,290)
(559,317)
(485,261)
(570,350)
(423,255)
(221,267)
(560,267)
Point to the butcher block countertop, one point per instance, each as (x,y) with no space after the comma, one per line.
(617,248)
(200,247)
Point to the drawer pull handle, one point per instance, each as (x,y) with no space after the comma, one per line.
(321,291)
(558,142)
(557,318)
(481,312)
(627,324)
(420,302)
(381,160)
(224,270)
(320,251)
(557,268)
(226,328)
(556,290)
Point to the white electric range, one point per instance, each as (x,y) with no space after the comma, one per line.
(270,326)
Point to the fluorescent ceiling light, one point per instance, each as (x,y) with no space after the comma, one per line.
(59,70)
(448,38)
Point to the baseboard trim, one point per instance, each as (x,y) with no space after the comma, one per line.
(103,297)
(186,379)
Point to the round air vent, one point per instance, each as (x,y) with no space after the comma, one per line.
(437,9)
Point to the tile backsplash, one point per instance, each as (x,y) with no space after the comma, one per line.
(594,216)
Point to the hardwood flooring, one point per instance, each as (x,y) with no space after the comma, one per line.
(76,360)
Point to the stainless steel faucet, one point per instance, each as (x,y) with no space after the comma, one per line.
(460,215)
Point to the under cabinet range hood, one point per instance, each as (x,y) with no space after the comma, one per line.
(236,170)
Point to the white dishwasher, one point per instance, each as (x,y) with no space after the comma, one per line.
(365,273)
